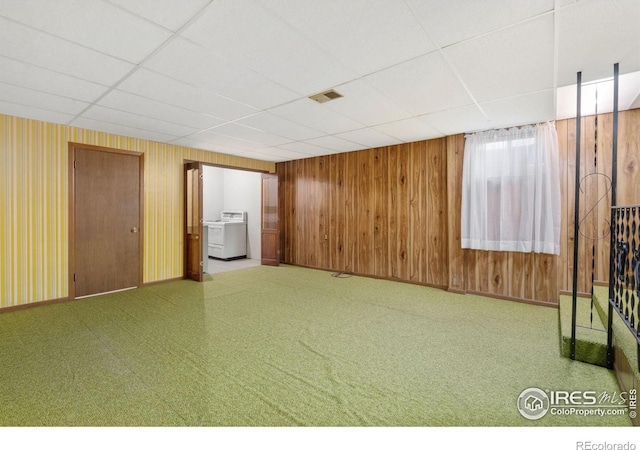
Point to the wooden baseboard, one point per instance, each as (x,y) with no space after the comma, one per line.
(515,299)
(579,294)
(168,280)
(34,304)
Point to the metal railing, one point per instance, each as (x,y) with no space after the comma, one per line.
(624,272)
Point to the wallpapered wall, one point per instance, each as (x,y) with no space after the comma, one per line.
(34,207)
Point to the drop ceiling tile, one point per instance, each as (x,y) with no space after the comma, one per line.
(40,49)
(136,121)
(189,62)
(170,14)
(42,100)
(91,23)
(245,32)
(422,85)
(317,116)
(409,130)
(250,134)
(596,35)
(369,138)
(521,110)
(357,32)
(122,130)
(163,89)
(28,112)
(276,154)
(222,141)
(143,106)
(277,125)
(365,104)
(28,76)
(306,148)
(451,22)
(335,143)
(457,120)
(509,62)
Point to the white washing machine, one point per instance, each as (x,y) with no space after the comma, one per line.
(227,237)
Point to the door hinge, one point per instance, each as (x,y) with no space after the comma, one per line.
(74,277)
(74,163)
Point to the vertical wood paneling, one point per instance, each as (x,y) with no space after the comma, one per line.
(437,272)
(403,202)
(351,179)
(418,212)
(381,212)
(323,210)
(365,215)
(455,149)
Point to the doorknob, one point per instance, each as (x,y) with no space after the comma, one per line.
(134,230)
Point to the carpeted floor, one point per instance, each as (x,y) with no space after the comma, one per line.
(286,346)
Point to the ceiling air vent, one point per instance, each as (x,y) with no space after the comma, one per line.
(324,97)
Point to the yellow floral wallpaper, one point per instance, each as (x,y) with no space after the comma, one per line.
(34,181)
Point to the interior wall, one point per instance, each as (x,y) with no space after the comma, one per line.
(34,197)
(242,193)
(212,192)
(394,212)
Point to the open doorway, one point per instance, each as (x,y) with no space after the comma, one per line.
(231,209)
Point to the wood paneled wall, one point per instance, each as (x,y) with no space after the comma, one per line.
(380,212)
(394,212)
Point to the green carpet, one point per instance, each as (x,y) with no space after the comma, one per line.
(285,346)
(591,336)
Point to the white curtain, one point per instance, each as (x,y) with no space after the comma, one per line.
(511,190)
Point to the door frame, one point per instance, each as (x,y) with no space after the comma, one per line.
(184,193)
(73,146)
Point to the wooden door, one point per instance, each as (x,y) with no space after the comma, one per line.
(194,262)
(106,223)
(270,235)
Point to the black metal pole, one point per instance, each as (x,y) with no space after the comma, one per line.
(576,222)
(614,181)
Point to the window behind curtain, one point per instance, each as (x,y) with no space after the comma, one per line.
(511,190)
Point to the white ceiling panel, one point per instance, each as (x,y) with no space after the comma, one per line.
(365,104)
(43,50)
(422,85)
(277,125)
(509,62)
(250,134)
(158,87)
(143,106)
(28,76)
(222,141)
(450,22)
(317,116)
(521,110)
(369,138)
(594,35)
(121,130)
(277,154)
(233,76)
(170,14)
(335,143)
(457,120)
(307,148)
(365,36)
(199,66)
(409,130)
(91,23)
(245,32)
(29,112)
(136,121)
(42,100)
